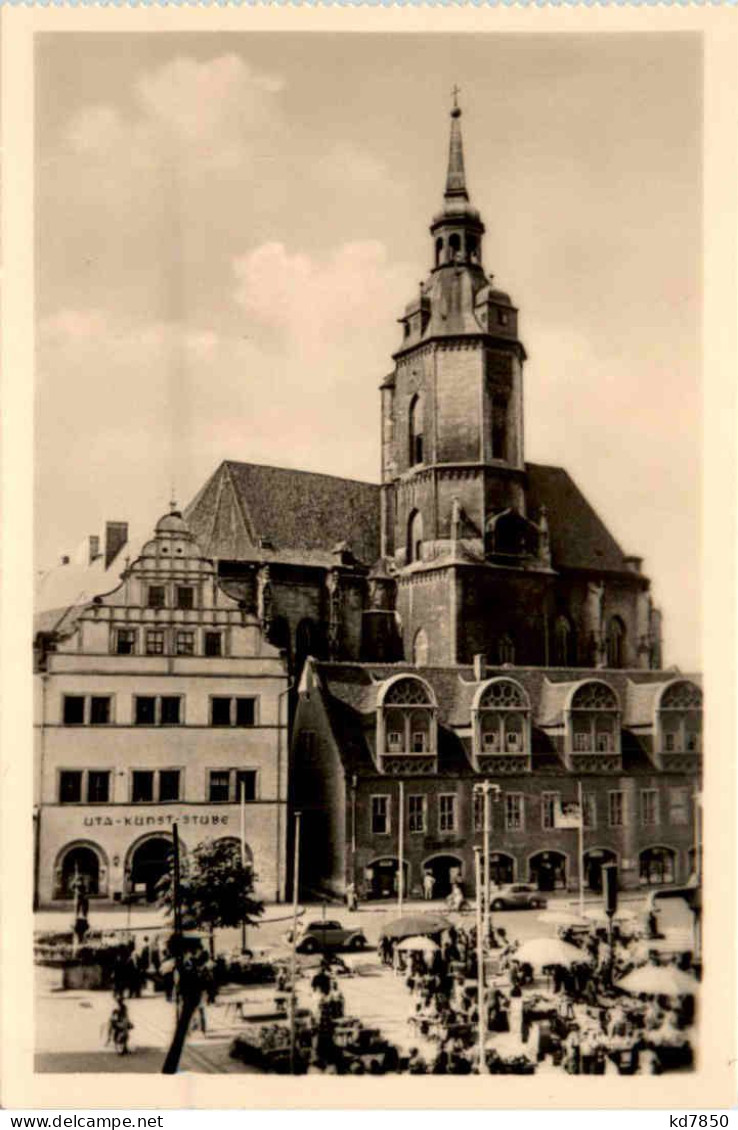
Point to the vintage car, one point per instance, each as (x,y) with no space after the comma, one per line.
(517,896)
(327,934)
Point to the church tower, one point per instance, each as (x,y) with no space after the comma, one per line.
(454,521)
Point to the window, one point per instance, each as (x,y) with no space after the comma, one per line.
(142,785)
(125,641)
(168,784)
(154,641)
(156,596)
(158,710)
(670,742)
(213,644)
(419,741)
(99,710)
(616,810)
(170,710)
(549,802)
(478,811)
(185,597)
(447,812)
(415,537)
(582,742)
(394,741)
(491,741)
(407,719)
(416,813)
(679,806)
(415,426)
(70,786)
(603,743)
(593,720)
(185,643)
(514,812)
(589,813)
(380,815)
(145,714)
(649,807)
(616,643)
(74,710)
(226,785)
(562,642)
(160,785)
(232,711)
(98,786)
(502,317)
(506,649)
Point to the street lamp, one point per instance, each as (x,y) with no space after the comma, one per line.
(484,789)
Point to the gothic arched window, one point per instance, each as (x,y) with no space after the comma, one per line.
(415,430)
(680,718)
(562,642)
(420,648)
(414,537)
(506,649)
(615,642)
(454,244)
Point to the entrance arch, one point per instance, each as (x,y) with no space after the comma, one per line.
(86,860)
(381,875)
(594,860)
(547,869)
(657,866)
(148,862)
(501,869)
(445,869)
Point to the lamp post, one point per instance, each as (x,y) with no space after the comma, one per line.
(481,995)
(293,961)
(484,789)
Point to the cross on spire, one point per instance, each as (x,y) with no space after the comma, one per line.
(456,91)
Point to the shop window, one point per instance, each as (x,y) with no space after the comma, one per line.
(213,644)
(185,597)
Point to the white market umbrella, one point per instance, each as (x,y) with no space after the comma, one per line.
(658,981)
(542,952)
(417,945)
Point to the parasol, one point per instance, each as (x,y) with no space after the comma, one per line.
(658,981)
(542,952)
(412,924)
(417,944)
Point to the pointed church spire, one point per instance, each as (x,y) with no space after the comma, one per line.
(456,179)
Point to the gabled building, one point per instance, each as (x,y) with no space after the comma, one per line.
(370,737)
(159,702)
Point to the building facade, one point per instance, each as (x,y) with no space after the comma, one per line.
(160,702)
(371,738)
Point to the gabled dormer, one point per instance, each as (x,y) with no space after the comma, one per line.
(407,726)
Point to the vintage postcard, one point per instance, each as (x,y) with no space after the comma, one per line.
(369,513)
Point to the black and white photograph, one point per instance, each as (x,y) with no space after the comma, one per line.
(368,559)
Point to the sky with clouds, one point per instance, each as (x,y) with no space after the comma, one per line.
(228,227)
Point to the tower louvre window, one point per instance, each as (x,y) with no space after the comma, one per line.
(415,431)
(415,537)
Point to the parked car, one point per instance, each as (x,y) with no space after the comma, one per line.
(517,896)
(328,935)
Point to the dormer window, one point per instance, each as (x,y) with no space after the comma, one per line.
(156,596)
(407,718)
(185,597)
(680,718)
(593,719)
(501,718)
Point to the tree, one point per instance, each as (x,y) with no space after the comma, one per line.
(215,889)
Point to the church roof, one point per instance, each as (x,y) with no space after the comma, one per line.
(579,537)
(247,511)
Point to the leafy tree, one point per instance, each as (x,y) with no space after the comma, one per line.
(215,890)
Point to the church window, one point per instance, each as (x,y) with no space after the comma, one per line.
(616,643)
(420,648)
(562,642)
(471,246)
(506,649)
(415,537)
(439,251)
(499,427)
(454,244)
(415,430)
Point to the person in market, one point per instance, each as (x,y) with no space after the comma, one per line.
(429,883)
(352,902)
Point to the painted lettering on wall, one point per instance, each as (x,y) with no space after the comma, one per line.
(153,821)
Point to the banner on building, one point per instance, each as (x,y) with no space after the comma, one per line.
(567,814)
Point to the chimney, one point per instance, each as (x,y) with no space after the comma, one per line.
(94,544)
(116,536)
(480,665)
